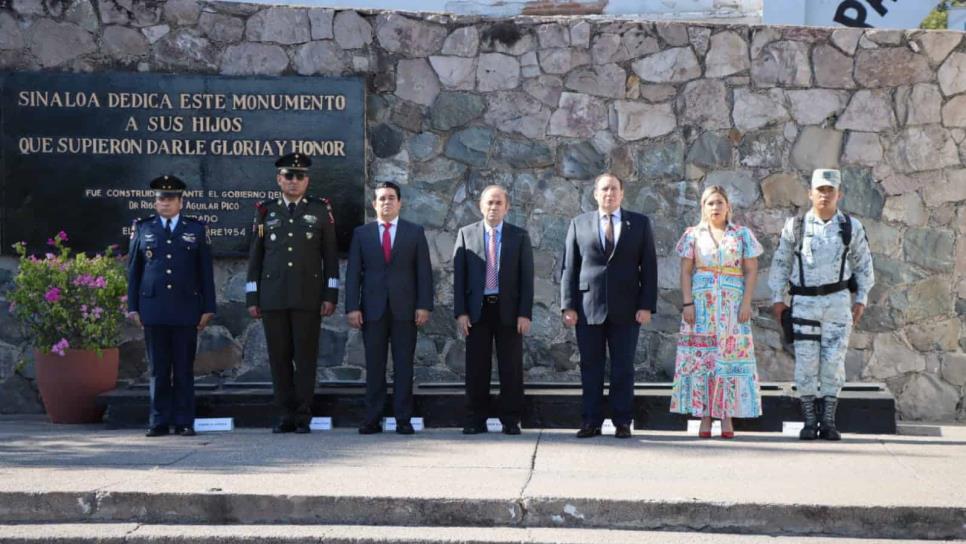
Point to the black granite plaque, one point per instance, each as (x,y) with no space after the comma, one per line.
(78,151)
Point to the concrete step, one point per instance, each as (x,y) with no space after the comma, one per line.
(863,407)
(215,508)
(132,533)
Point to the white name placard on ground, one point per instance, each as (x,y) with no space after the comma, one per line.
(493,425)
(694,425)
(389,423)
(792,428)
(320,424)
(214,424)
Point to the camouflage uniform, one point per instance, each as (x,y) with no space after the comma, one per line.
(821,314)
(820,365)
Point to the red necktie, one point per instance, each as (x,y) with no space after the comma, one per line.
(387,243)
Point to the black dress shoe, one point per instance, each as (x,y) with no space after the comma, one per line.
(283,428)
(184,430)
(159,430)
(476,428)
(302,428)
(370,428)
(511,428)
(588,431)
(405,428)
(622,430)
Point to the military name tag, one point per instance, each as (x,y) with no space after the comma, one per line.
(272,223)
(310,219)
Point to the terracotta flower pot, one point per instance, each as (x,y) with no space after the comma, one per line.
(69,384)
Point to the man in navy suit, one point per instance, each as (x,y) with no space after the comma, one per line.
(493,302)
(608,289)
(171,292)
(388,294)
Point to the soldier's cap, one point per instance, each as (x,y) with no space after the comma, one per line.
(168,185)
(826,178)
(293,161)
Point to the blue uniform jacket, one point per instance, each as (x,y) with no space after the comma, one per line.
(170,278)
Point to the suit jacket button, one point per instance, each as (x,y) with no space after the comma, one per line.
(291,234)
(291,220)
(290,264)
(169,241)
(290,248)
(169,286)
(168,255)
(168,271)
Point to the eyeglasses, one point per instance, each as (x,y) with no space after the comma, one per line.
(294,175)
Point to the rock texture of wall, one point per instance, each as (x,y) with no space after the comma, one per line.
(542,105)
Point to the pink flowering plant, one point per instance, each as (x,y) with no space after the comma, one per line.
(70,301)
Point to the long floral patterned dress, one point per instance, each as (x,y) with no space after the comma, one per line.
(715,373)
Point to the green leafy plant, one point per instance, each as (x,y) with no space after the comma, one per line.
(939,18)
(70,301)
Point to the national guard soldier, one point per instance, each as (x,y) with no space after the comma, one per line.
(293,281)
(822,259)
(171,292)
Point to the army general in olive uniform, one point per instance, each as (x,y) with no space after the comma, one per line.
(293,281)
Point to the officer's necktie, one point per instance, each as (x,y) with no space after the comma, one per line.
(387,243)
(291,208)
(491,276)
(609,235)
(167,227)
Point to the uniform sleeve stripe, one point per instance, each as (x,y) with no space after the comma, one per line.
(251,287)
(333,283)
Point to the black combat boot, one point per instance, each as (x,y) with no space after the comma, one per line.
(810,430)
(828,430)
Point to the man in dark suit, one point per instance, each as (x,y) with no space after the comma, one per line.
(388,294)
(293,281)
(171,292)
(608,289)
(493,302)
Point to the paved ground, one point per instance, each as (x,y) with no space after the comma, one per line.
(654,470)
(769,468)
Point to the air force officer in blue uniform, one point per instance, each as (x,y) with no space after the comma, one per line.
(608,289)
(171,292)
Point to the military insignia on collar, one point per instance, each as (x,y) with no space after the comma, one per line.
(189,237)
(308,235)
(310,219)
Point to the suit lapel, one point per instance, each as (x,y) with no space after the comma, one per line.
(477,243)
(506,243)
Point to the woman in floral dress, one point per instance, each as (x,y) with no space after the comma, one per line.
(715,374)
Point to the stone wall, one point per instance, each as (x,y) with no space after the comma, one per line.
(542,105)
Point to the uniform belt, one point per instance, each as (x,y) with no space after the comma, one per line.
(819,290)
(491,299)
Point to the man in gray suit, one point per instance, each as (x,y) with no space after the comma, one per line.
(608,289)
(493,302)
(388,294)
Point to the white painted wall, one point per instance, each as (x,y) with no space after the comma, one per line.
(743,10)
